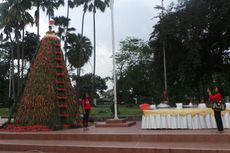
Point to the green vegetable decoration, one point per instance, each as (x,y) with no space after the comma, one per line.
(48,97)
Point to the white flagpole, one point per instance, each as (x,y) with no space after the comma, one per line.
(114,67)
(164,56)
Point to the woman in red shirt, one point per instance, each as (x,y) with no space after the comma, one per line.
(217,97)
(86,104)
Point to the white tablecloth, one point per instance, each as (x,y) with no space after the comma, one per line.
(189,118)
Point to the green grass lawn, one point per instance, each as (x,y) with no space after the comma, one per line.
(100,110)
(4,112)
(123,110)
(130,110)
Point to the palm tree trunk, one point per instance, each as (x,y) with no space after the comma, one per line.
(82,23)
(23,47)
(67,15)
(18,60)
(78,79)
(9,62)
(12,75)
(38,18)
(10,80)
(66,31)
(79,69)
(94,46)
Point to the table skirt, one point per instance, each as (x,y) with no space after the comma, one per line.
(182,119)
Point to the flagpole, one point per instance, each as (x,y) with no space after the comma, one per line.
(114,66)
(163,46)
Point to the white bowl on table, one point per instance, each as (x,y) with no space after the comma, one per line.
(163,106)
(227,104)
(202,105)
(179,105)
(152,106)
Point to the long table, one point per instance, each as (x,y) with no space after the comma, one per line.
(186,118)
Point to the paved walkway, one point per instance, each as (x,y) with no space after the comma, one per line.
(130,130)
(137,146)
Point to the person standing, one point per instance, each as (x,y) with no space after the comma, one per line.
(217,96)
(86,103)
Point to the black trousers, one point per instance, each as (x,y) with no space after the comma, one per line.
(219,122)
(86,118)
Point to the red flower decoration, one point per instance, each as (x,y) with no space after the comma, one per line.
(64,115)
(60,89)
(62,106)
(61,97)
(60,67)
(58,59)
(59,74)
(60,82)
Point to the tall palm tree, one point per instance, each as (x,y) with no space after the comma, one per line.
(37,3)
(12,16)
(50,5)
(26,19)
(63,30)
(85,9)
(7,26)
(19,17)
(70,4)
(101,5)
(79,52)
(63,24)
(92,6)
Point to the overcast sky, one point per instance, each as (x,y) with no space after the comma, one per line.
(132,18)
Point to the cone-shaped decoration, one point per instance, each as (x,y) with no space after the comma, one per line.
(48,97)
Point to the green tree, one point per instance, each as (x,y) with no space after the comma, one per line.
(134,69)
(31,45)
(78,44)
(195,43)
(26,19)
(79,51)
(86,84)
(13,17)
(4,67)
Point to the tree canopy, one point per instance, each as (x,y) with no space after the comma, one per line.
(195,35)
(86,84)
